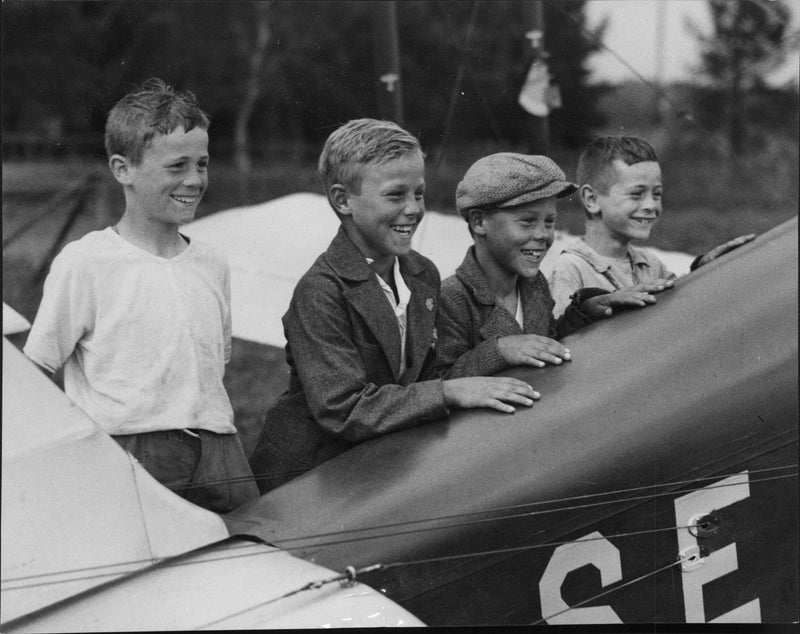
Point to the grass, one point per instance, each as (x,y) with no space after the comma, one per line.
(708,200)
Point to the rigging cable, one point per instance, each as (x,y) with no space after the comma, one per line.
(354,531)
(350,572)
(647,575)
(456,86)
(679,111)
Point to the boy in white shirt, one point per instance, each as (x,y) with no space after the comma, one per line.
(140,316)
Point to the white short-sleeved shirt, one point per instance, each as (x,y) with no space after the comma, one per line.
(144,339)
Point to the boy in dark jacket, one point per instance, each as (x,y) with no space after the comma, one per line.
(360,329)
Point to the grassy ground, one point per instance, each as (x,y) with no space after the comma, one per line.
(708,200)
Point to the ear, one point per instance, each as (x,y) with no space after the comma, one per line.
(589,199)
(476,218)
(120,168)
(339,199)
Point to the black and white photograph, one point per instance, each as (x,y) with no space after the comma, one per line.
(400,313)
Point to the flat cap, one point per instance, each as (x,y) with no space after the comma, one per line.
(507,179)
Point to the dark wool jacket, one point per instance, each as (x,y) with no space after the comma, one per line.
(470,322)
(343,351)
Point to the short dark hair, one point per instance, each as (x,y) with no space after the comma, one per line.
(597,157)
(155,108)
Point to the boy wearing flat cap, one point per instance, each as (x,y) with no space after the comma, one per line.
(497,311)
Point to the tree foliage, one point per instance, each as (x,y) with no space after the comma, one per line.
(749,39)
(69,61)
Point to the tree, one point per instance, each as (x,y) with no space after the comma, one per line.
(49,69)
(487,39)
(253,48)
(292,71)
(570,42)
(748,41)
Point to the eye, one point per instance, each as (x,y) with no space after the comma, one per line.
(657,194)
(550,221)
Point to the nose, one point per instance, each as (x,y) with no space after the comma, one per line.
(651,202)
(414,206)
(195,177)
(540,232)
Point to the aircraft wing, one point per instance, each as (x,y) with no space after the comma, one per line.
(91,542)
(13,322)
(655,480)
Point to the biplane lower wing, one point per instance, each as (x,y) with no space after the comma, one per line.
(91,542)
(655,480)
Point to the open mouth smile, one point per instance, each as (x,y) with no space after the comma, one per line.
(534,254)
(403,230)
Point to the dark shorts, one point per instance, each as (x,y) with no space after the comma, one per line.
(208,469)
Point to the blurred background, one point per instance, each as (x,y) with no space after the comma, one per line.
(712,84)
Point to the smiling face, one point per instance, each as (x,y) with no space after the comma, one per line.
(516,238)
(169,182)
(382,216)
(632,204)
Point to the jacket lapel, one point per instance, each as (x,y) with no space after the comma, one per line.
(366,296)
(421,317)
(369,301)
(499,322)
(537,305)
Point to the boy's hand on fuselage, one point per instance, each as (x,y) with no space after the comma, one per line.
(533,350)
(722,249)
(656,286)
(601,306)
(488,391)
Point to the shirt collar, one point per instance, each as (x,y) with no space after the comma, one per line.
(601,263)
(403,292)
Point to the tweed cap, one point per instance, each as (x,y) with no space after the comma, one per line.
(507,179)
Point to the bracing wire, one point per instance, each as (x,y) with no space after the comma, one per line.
(456,86)
(102,571)
(351,573)
(105,570)
(350,538)
(647,575)
(286,541)
(678,110)
(463,49)
(586,32)
(348,577)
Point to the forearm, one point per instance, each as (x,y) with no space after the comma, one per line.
(485,359)
(372,411)
(571,321)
